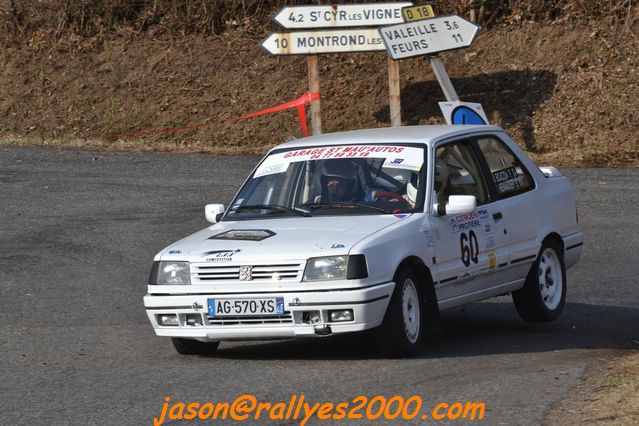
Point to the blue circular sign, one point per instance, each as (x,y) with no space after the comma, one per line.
(465,115)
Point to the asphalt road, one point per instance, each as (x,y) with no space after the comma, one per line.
(78,231)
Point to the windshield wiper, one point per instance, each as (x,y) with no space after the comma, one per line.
(346,206)
(272,208)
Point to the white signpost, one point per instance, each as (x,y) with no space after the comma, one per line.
(341,15)
(428,36)
(327,41)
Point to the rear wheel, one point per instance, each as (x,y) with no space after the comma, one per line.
(402,331)
(543,296)
(194,347)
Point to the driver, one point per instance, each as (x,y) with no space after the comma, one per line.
(339,182)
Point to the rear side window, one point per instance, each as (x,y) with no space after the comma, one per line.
(506,171)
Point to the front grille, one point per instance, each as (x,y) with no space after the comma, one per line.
(205,272)
(286,318)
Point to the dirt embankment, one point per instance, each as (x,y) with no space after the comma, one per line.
(567,91)
(609,396)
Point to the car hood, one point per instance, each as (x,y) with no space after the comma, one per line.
(282,238)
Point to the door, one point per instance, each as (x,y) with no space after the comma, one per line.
(513,188)
(469,247)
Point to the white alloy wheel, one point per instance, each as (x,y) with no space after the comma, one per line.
(402,331)
(543,295)
(411,313)
(551,284)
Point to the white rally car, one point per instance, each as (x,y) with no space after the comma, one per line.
(380,228)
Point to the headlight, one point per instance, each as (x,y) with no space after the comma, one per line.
(325,268)
(170,273)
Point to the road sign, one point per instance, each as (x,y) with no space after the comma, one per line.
(415,13)
(463,113)
(327,41)
(428,36)
(341,15)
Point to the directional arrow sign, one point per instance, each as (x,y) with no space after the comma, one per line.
(428,36)
(341,15)
(329,41)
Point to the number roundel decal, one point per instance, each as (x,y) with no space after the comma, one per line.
(469,248)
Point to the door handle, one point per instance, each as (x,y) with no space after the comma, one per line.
(497,216)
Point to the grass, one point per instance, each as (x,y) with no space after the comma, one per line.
(611,398)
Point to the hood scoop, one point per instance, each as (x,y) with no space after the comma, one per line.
(244,235)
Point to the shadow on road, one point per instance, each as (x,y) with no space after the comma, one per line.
(481,329)
(512,95)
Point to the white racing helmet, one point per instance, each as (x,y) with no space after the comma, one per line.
(411,188)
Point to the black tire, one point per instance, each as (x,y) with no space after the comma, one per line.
(538,300)
(402,330)
(194,347)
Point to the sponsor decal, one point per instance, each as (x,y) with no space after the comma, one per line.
(398,157)
(244,234)
(337,246)
(272,169)
(465,221)
(475,234)
(437,233)
(430,239)
(174,251)
(507,179)
(492,260)
(220,255)
(401,216)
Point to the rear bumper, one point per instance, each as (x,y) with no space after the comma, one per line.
(368,306)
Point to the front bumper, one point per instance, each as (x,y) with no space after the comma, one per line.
(368,305)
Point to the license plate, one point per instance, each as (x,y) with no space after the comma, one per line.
(237,307)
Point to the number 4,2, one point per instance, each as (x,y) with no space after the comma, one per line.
(299,18)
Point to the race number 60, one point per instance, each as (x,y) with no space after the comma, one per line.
(469,248)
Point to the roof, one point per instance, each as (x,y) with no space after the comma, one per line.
(405,134)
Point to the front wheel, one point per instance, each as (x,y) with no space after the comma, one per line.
(402,331)
(194,347)
(543,295)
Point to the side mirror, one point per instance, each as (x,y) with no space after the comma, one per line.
(214,212)
(457,204)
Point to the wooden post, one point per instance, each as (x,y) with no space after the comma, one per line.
(442,77)
(394,93)
(314,86)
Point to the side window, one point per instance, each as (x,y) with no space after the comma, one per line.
(457,172)
(508,174)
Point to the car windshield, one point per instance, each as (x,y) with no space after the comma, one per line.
(368,179)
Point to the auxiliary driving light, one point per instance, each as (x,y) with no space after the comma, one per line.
(311,317)
(193,320)
(341,315)
(168,320)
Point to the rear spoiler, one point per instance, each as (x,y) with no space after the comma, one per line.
(550,171)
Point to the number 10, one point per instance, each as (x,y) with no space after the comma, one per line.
(283,43)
